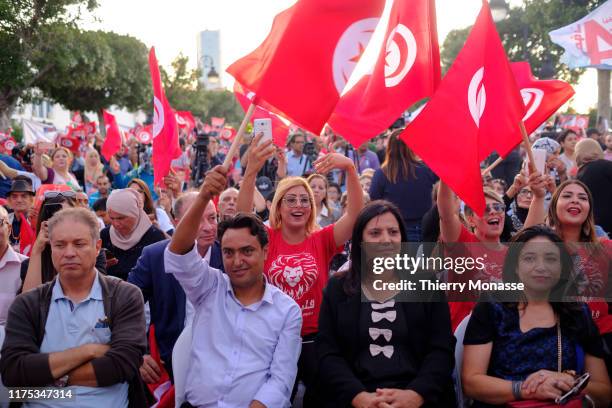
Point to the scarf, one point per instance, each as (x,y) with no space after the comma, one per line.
(126,202)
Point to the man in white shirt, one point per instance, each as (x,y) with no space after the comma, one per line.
(246,332)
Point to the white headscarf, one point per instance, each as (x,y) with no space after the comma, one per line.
(127,202)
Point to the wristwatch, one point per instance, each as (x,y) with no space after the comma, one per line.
(62,381)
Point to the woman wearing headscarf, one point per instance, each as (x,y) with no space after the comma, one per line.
(130,231)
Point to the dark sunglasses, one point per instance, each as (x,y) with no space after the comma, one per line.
(494,207)
(64,194)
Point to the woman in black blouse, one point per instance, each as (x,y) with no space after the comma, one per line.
(512,349)
(382,353)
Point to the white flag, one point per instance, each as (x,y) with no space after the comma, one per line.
(588,41)
(34,132)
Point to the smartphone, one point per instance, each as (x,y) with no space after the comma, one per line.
(49,209)
(579,384)
(263,126)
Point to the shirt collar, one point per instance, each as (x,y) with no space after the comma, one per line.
(324,212)
(267,295)
(95,293)
(10,256)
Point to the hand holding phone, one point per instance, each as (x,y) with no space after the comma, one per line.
(579,384)
(263,126)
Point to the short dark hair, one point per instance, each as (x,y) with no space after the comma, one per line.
(99,204)
(564,134)
(593,131)
(245,220)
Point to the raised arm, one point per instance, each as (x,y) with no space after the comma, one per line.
(343,228)
(256,158)
(187,230)
(33,276)
(537,208)
(450,224)
(181,257)
(37,165)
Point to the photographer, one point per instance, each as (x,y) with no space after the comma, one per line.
(298,163)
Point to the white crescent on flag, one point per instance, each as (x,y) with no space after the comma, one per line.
(477,96)
(158,117)
(532,97)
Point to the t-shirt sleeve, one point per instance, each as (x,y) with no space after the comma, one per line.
(589,339)
(481,326)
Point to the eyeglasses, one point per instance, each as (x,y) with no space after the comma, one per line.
(292,202)
(494,207)
(526,192)
(65,194)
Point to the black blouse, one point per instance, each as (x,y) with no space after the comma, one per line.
(127,258)
(418,354)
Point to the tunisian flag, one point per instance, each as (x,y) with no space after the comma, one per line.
(303,65)
(112,143)
(27,236)
(476,109)
(400,66)
(165,130)
(185,120)
(541,98)
(280,126)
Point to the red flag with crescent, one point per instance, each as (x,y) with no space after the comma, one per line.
(280,126)
(476,110)
(541,98)
(301,68)
(165,130)
(400,66)
(144,134)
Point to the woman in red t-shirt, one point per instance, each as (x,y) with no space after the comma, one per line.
(299,251)
(570,214)
(487,230)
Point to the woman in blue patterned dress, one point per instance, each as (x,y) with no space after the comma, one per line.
(533,348)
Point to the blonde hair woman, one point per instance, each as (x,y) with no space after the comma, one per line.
(298,253)
(59,172)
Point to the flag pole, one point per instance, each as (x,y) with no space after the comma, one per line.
(492,166)
(236,143)
(532,167)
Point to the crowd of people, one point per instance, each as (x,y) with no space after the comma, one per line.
(252,286)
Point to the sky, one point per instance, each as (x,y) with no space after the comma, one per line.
(172,27)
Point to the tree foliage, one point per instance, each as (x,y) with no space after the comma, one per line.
(186,92)
(524,33)
(99,69)
(30,29)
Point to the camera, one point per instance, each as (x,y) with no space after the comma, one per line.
(200,163)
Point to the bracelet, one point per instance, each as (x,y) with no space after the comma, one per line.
(516,390)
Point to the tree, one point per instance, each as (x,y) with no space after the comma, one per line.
(524,33)
(186,92)
(106,69)
(30,29)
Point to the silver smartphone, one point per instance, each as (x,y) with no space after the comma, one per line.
(263,126)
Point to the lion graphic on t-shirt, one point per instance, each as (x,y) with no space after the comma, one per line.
(294,274)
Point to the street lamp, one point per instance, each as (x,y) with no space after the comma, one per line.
(213,76)
(499,9)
